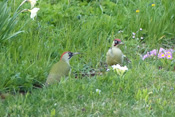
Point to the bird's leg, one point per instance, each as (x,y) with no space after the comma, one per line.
(127,59)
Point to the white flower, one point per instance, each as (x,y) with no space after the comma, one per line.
(120,31)
(119,67)
(116,66)
(140,28)
(141,37)
(108,70)
(120,70)
(133,36)
(133,33)
(33,12)
(123,68)
(103,103)
(32,2)
(98,91)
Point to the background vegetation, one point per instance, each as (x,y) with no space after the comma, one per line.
(87,26)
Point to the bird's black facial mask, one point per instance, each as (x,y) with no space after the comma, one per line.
(70,55)
(116,42)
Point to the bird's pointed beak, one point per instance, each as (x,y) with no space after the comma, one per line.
(121,43)
(75,53)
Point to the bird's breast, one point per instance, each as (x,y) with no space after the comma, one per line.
(114,56)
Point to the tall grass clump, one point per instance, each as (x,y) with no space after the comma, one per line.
(8,22)
(12,52)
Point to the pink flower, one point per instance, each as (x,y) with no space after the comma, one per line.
(169,51)
(161,50)
(153,52)
(161,55)
(169,56)
(145,56)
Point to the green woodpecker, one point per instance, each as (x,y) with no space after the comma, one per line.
(114,55)
(61,68)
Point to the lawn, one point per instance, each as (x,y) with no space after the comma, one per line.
(29,47)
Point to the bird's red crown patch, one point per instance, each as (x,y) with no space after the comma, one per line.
(117,39)
(63,55)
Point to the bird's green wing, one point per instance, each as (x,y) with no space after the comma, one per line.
(58,70)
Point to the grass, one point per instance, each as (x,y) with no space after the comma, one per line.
(89,27)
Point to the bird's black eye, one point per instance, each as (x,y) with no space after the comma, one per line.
(70,54)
